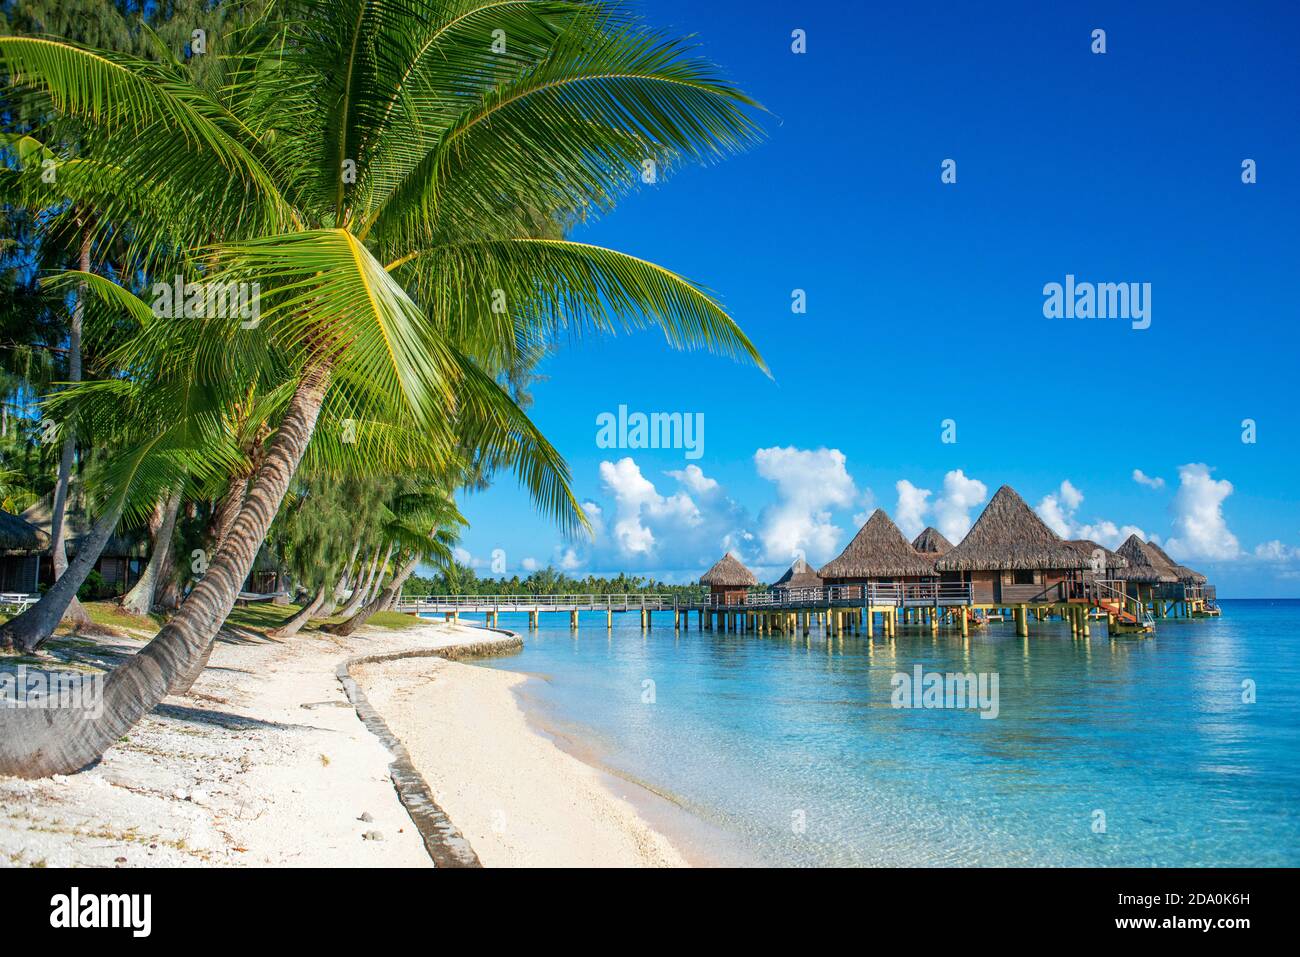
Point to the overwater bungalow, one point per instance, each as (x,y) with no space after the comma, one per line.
(1011,557)
(1148,574)
(729,581)
(21,547)
(1102,561)
(800,576)
(931,542)
(878,555)
(1162,585)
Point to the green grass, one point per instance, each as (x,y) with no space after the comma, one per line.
(111,615)
(394,620)
(257,617)
(108,613)
(262,616)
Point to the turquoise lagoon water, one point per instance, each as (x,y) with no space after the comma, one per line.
(792,751)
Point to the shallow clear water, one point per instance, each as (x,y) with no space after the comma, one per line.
(793,750)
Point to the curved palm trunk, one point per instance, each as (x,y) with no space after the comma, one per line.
(307,400)
(139,600)
(223,519)
(39,742)
(347,571)
(378,603)
(73,612)
(379,577)
(361,591)
(291,627)
(336,596)
(31,629)
(168,594)
(227,510)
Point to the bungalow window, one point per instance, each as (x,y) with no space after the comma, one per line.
(1022,576)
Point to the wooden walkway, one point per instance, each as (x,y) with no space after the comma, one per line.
(868,609)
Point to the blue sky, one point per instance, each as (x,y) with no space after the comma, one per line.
(925,299)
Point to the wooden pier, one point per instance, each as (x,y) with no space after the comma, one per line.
(869,610)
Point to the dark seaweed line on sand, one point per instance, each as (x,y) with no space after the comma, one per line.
(445,844)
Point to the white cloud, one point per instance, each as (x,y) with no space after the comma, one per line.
(913,503)
(1275,551)
(464,557)
(1109,534)
(953,506)
(595,518)
(1070,495)
(637,502)
(640,527)
(951,509)
(1149,481)
(1200,529)
(529,564)
(1058,510)
(693,478)
(808,483)
(1053,510)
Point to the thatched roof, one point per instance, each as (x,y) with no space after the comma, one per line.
(931,542)
(729,573)
(19,536)
(1087,548)
(799,575)
(1008,535)
(1146,563)
(76,528)
(1184,573)
(879,550)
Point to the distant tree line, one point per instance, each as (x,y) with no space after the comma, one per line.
(461,579)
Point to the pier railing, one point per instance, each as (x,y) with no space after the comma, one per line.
(1110,594)
(486,603)
(874,594)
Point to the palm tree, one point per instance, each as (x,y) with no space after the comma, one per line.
(162,525)
(424,526)
(373,165)
(310,537)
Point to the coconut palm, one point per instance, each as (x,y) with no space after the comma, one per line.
(373,165)
(423,525)
(310,535)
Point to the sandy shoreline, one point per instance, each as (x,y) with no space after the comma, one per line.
(266,763)
(520,800)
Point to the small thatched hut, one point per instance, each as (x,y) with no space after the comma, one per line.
(1102,562)
(21,545)
(728,580)
(931,542)
(1010,555)
(122,558)
(1146,564)
(800,575)
(878,553)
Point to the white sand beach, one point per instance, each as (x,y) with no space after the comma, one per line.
(519,799)
(266,762)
